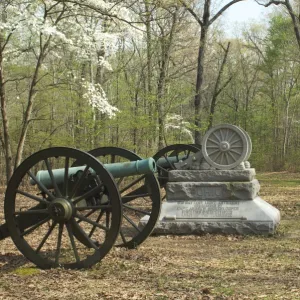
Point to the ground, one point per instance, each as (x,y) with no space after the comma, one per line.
(180,267)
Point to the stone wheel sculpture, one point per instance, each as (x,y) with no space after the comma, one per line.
(249,143)
(225,146)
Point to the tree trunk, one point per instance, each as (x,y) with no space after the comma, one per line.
(6,137)
(218,89)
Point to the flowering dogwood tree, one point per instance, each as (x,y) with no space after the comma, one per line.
(176,123)
(33,33)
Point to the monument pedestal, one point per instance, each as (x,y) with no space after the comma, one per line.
(229,207)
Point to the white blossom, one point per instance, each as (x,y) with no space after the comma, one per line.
(96,97)
(176,122)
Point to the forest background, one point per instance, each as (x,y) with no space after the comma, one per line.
(145,74)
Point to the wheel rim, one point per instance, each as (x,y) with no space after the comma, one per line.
(249,143)
(57,211)
(140,197)
(179,152)
(225,146)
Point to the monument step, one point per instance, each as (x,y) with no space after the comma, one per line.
(184,191)
(211,175)
(230,217)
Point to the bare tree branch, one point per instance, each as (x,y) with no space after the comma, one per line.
(192,12)
(275,2)
(222,10)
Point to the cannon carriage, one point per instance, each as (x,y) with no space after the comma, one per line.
(68,208)
(63,207)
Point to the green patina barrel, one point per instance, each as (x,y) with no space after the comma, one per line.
(117,170)
(166,162)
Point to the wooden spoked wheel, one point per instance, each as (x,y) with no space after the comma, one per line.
(45,218)
(167,157)
(140,197)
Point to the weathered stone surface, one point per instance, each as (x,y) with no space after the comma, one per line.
(244,228)
(230,217)
(177,191)
(211,175)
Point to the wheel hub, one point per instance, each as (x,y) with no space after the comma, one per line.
(224,146)
(60,210)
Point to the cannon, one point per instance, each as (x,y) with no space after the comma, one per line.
(65,208)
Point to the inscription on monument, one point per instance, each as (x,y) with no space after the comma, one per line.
(207,209)
(206,192)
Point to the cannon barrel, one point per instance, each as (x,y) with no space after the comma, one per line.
(166,162)
(117,170)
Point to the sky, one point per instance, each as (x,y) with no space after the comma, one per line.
(244,12)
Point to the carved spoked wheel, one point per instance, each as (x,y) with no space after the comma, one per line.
(225,146)
(140,197)
(43,213)
(249,143)
(168,156)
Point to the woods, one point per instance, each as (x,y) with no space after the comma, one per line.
(142,75)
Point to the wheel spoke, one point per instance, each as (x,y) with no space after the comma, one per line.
(38,224)
(85,236)
(213,141)
(40,185)
(94,207)
(80,181)
(87,215)
(58,246)
(231,155)
(238,153)
(221,133)
(113,159)
(71,236)
(91,222)
(231,137)
(212,152)
(31,212)
(226,156)
(235,141)
(137,209)
(66,177)
(222,157)
(131,222)
(54,184)
(226,134)
(170,164)
(98,220)
(132,184)
(43,201)
(217,156)
(45,237)
(216,136)
(126,199)
(107,219)
(161,168)
(88,194)
(122,236)
(120,181)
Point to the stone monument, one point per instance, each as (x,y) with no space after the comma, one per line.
(215,190)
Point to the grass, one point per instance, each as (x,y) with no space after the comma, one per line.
(179,267)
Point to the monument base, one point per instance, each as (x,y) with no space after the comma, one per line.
(217,216)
